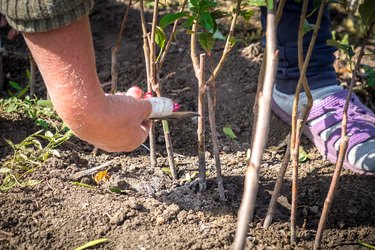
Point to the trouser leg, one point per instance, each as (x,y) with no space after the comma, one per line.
(320,72)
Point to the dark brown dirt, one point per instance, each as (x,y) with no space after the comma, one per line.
(154,212)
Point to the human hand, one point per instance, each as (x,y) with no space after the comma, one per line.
(126,118)
(128,121)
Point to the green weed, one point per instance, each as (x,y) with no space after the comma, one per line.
(41,111)
(29,155)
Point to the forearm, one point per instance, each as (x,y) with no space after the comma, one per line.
(65,58)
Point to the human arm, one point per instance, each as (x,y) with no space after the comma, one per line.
(66,60)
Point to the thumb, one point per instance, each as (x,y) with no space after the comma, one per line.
(135,92)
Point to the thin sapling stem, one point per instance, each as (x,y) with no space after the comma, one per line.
(153,68)
(246,211)
(201,127)
(343,147)
(297,126)
(199,74)
(114,60)
(2,50)
(277,188)
(215,144)
(32,75)
(156,86)
(279,12)
(146,51)
(211,100)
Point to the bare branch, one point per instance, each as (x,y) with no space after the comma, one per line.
(246,211)
(294,135)
(193,49)
(146,45)
(279,12)
(146,52)
(114,62)
(201,127)
(122,29)
(277,188)
(32,75)
(152,47)
(343,147)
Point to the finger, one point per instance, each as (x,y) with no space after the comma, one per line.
(135,92)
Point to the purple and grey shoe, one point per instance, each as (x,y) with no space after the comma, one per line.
(328,113)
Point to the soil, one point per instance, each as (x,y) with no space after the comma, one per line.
(155,212)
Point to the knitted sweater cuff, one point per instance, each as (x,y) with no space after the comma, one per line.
(40,16)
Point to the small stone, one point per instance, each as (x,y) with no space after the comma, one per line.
(181,216)
(173,208)
(160,221)
(86,180)
(118,218)
(314,209)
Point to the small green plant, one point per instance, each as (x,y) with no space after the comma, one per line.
(29,155)
(41,111)
(16,89)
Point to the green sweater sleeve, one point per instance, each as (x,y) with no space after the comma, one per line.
(43,15)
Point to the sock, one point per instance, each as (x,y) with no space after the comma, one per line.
(361,156)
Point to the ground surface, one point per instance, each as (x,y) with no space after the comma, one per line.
(156,213)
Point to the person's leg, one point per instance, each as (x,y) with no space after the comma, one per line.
(324,122)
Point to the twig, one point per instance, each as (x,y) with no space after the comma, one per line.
(168,45)
(94,152)
(297,128)
(91,171)
(211,101)
(156,86)
(1,64)
(294,144)
(199,74)
(201,127)
(246,211)
(146,44)
(114,71)
(169,147)
(343,147)
(215,144)
(32,76)
(153,68)
(122,28)
(114,61)
(279,12)
(9,234)
(193,49)
(146,51)
(277,188)
(49,185)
